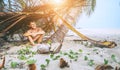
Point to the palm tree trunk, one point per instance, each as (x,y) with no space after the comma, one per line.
(108,44)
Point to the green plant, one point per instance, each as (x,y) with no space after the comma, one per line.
(13,64)
(105,61)
(80,50)
(71,56)
(32,61)
(48,61)
(71,52)
(113,57)
(76,53)
(22,57)
(65,53)
(43,67)
(56,57)
(51,55)
(91,62)
(85,58)
(24,51)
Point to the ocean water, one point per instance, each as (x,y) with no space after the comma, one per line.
(96,32)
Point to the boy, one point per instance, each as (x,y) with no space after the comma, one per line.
(34,33)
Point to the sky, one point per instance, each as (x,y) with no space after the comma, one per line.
(105,16)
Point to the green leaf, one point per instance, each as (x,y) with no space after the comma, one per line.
(24,51)
(48,61)
(80,50)
(113,57)
(13,64)
(91,62)
(71,52)
(65,53)
(33,53)
(76,53)
(105,61)
(32,61)
(71,56)
(51,55)
(22,57)
(85,58)
(76,56)
(43,67)
(58,56)
(75,59)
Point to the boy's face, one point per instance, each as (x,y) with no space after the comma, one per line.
(32,25)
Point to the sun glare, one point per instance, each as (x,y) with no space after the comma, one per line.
(57,1)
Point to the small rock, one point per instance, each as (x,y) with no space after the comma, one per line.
(63,63)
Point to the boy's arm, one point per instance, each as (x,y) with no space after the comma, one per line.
(40,31)
(27,33)
(31,40)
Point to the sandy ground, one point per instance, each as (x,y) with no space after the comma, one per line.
(92,52)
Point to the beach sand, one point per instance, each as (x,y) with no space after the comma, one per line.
(71,42)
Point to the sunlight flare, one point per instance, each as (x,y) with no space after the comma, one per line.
(57,1)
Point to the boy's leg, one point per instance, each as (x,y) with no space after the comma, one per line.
(31,40)
(36,37)
(40,38)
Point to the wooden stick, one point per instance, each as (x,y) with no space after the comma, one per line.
(9,18)
(13,24)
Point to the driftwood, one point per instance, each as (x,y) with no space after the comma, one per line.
(32,67)
(104,67)
(3,62)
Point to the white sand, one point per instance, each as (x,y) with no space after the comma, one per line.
(80,64)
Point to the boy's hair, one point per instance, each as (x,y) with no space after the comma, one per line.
(32,21)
